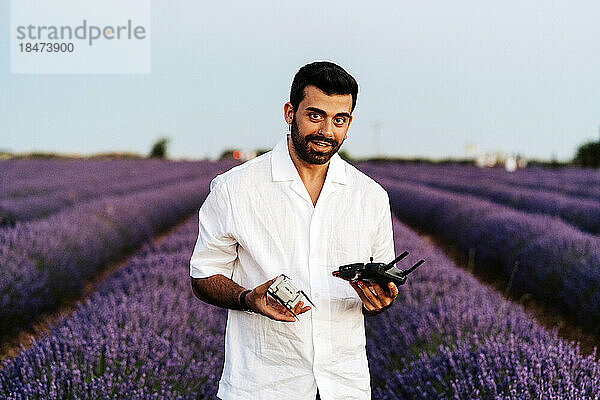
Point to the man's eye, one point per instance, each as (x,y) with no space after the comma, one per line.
(314,116)
(340,120)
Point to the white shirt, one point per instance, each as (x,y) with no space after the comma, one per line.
(258,222)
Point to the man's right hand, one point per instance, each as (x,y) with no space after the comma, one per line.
(258,300)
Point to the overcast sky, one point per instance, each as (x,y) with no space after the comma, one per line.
(517,76)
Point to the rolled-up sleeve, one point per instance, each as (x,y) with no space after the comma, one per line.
(216,247)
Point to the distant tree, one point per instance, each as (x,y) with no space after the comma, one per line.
(345,155)
(159,149)
(588,155)
(554,163)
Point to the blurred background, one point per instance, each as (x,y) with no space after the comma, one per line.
(460,80)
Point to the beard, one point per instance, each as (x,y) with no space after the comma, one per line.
(308,154)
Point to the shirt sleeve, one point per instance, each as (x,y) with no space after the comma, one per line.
(383,242)
(216,248)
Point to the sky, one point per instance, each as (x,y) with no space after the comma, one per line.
(435,78)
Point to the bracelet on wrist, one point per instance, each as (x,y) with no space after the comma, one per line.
(243,304)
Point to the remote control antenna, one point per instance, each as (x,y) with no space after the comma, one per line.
(307,298)
(411,269)
(400,257)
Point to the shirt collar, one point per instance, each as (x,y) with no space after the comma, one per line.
(283,168)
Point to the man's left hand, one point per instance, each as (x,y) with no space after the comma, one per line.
(373,296)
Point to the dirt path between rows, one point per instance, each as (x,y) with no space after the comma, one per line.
(546,315)
(12,345)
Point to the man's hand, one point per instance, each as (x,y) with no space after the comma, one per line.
(373,296)
(258,300)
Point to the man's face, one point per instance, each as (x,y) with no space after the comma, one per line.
(320,124)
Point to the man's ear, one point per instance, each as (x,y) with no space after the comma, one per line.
(288,112)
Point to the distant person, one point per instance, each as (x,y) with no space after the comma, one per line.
(302,211)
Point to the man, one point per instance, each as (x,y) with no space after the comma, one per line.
(299,210)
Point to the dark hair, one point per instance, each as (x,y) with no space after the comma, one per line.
(325,75)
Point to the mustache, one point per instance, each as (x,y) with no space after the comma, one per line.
(319,138)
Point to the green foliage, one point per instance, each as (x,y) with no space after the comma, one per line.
(588,155)
(159,149)
(345,155)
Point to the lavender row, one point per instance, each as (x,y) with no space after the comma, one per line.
(550,259)
(44,187)
(578,182)
(144,335)
(572,182)
(23,178)
(580,212)
(141,335)
(52,258)
(448,336)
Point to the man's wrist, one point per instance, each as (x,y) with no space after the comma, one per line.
(243,303)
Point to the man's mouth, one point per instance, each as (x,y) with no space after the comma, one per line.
(321,144)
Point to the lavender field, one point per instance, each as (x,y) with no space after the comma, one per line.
(32,189)
(47,259)
(142,334)
(580,211)
(552,260)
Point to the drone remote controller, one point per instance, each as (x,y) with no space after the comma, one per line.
(379,273)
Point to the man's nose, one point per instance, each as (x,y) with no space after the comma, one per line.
(326,129)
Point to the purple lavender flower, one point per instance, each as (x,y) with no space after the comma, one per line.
(50,259)
(581,212)
(144,335)
(552,260)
